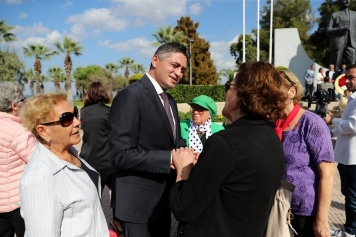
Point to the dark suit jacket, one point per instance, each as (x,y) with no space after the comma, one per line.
(231,189)
(338,36)
(141,140)
(95,148)
(335,75)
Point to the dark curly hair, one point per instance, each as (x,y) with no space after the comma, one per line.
(96,92)
(261,91)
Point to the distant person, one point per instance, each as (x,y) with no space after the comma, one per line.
(16,147)
(320,77)
(309,158)
(200,127)
(309,81)
(342,29)
(144,128)
(230,190)
(59,191)
(332,76)
(343,101)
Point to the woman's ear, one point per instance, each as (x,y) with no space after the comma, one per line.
(42,131)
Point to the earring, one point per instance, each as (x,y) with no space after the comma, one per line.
(48,140)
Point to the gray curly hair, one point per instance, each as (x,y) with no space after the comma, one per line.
(10,92)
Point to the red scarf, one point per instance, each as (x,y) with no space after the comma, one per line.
(280,127)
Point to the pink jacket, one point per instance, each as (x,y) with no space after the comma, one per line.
(16,147)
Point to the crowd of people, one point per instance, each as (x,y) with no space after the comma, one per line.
(213,181)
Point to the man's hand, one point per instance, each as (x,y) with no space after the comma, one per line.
(328,118)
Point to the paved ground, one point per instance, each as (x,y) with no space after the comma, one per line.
(336,214)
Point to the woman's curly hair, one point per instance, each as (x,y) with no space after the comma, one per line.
(261,91)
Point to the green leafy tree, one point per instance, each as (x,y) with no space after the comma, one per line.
(228,73)
(5,33)
(126,63)
(10,65)
(203,68)
(58,76)
(68,47)
(167,35)
(236,49)
(319,42)
(286,14)
(39,52)
(111,69)
(81,74)
(138,68)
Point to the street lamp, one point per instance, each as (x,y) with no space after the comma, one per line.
(190,70)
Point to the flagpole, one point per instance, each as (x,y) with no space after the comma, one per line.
(258,30)
(270,34)
(243,32)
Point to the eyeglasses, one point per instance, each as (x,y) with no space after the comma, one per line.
(199,109)
(287,77)
(65,119)
(227,86)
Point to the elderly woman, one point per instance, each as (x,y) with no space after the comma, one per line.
(309,158)
(230,190)
(16,146)
(199,128)
(59,191)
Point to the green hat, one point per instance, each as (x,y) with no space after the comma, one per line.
(205,102)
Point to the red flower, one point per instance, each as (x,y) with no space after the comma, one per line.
(342,81)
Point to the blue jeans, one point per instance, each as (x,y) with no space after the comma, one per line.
(348,189)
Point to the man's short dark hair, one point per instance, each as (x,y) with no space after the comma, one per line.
(351,67)
(165,51)
(326,79)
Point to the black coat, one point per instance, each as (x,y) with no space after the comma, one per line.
(141,141)
(231,189)
(95,148)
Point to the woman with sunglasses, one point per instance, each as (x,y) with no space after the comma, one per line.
(200,127)
(230,190)
(59,191)
(16,147)
(309,158)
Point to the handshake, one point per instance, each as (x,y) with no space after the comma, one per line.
(183,161)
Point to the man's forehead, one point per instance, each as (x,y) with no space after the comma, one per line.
(351,71)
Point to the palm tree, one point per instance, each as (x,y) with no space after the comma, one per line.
(30,77)
(167,35)
(39,52)
(127,63)
(43,79)
(111,68)
(5,32)
(69,46)
(228,73)
(138,68)
(58,76)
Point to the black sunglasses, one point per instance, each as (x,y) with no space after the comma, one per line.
(227,86)
(287,77)
(65,119)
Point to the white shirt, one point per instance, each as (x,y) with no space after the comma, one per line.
(159,91)
(345,130)
(60,199)
(320,78)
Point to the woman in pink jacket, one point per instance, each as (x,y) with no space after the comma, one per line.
(16,147)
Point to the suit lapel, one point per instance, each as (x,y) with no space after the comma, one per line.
(156,101)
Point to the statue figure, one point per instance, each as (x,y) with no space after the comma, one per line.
(342,29)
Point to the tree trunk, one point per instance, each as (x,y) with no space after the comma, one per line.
(69,89)
(57,86)
(32,88)
(38,84)
(110,87)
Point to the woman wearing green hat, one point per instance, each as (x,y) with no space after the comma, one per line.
(200,127)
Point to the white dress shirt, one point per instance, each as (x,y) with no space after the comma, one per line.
(345,130)
(60,199)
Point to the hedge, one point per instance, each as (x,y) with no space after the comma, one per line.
(185,93)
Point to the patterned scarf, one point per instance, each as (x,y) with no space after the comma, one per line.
(194,140)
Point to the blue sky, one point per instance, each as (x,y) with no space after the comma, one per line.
(112,29)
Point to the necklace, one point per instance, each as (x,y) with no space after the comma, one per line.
(200,134)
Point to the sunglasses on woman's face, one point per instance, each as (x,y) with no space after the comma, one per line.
(228,85)
(65,119)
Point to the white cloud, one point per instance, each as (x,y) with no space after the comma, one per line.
(12,1)
(96,20)
(150,10)
(67,4)
(22,15)
(220,53)
(141,46)
(35,29)
(195,9)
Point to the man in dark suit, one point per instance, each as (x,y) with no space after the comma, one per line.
(342,29)
(332,75)
(143,130)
